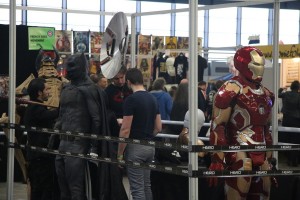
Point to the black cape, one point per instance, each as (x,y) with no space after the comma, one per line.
(109,177)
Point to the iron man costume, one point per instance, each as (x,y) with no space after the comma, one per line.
(241,116)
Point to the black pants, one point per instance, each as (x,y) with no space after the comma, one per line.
(290,137)
(71,171)
(41,176)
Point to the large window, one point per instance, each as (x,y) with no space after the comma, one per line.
(4,12)
(41,18)
(6,2)
(182,22)
(254,22)
(289,26)
(4,16)
(222,27)
(155,24)
(83,22)
(45,4)
(93,5)
(119,6)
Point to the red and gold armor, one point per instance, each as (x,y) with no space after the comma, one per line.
(241,116)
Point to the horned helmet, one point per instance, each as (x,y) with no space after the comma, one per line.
(46,63)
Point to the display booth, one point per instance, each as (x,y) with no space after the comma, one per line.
(193,189)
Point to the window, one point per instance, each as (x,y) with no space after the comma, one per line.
(289,26)
(254,24)
(117,6)
(41,18)
(182,22)
(83,22)
(222,27)
(93,5)
(4,16)
(155,24)
(45,4)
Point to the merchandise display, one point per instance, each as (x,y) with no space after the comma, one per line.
(241,108)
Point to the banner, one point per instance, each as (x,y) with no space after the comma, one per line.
(41,37)
(285,51)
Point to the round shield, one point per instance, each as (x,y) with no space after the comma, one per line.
(114,45)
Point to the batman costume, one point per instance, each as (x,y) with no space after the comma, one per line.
(82,109)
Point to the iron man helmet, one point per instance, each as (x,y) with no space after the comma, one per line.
(250,62)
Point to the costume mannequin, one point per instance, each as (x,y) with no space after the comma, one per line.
(83,109)
(241,116)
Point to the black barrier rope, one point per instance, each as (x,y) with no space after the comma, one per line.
(158,144)
(182,171)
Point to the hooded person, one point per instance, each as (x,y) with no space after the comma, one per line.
(82,109)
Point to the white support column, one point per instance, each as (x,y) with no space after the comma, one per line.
(12,97)
(193,91)
(133,40)
(275,74)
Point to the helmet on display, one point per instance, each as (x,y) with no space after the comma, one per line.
(250,63)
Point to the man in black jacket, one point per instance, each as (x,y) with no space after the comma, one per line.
(41,165)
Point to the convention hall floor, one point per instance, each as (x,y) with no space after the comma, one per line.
(20,189)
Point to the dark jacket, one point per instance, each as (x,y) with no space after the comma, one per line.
(116,96)
(291,104)
(38,116)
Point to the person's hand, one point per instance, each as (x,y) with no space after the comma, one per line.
(120,120)
(120,158)
(93,155)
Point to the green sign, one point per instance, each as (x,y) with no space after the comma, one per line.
(41,37)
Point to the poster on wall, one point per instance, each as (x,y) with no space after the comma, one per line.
(4,85)
(96,41)
(290,71)
(144,44)
(144,64)
(171,42)
(41,37)
(81,41)
(63,41)
(129,45)
(157,44)
(183,43)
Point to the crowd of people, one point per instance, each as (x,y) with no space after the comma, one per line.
(120,107)
(123,107)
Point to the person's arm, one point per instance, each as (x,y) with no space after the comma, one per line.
(44,114)
(157,125)
(124,133)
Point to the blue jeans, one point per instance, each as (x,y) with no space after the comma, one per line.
(139,178)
